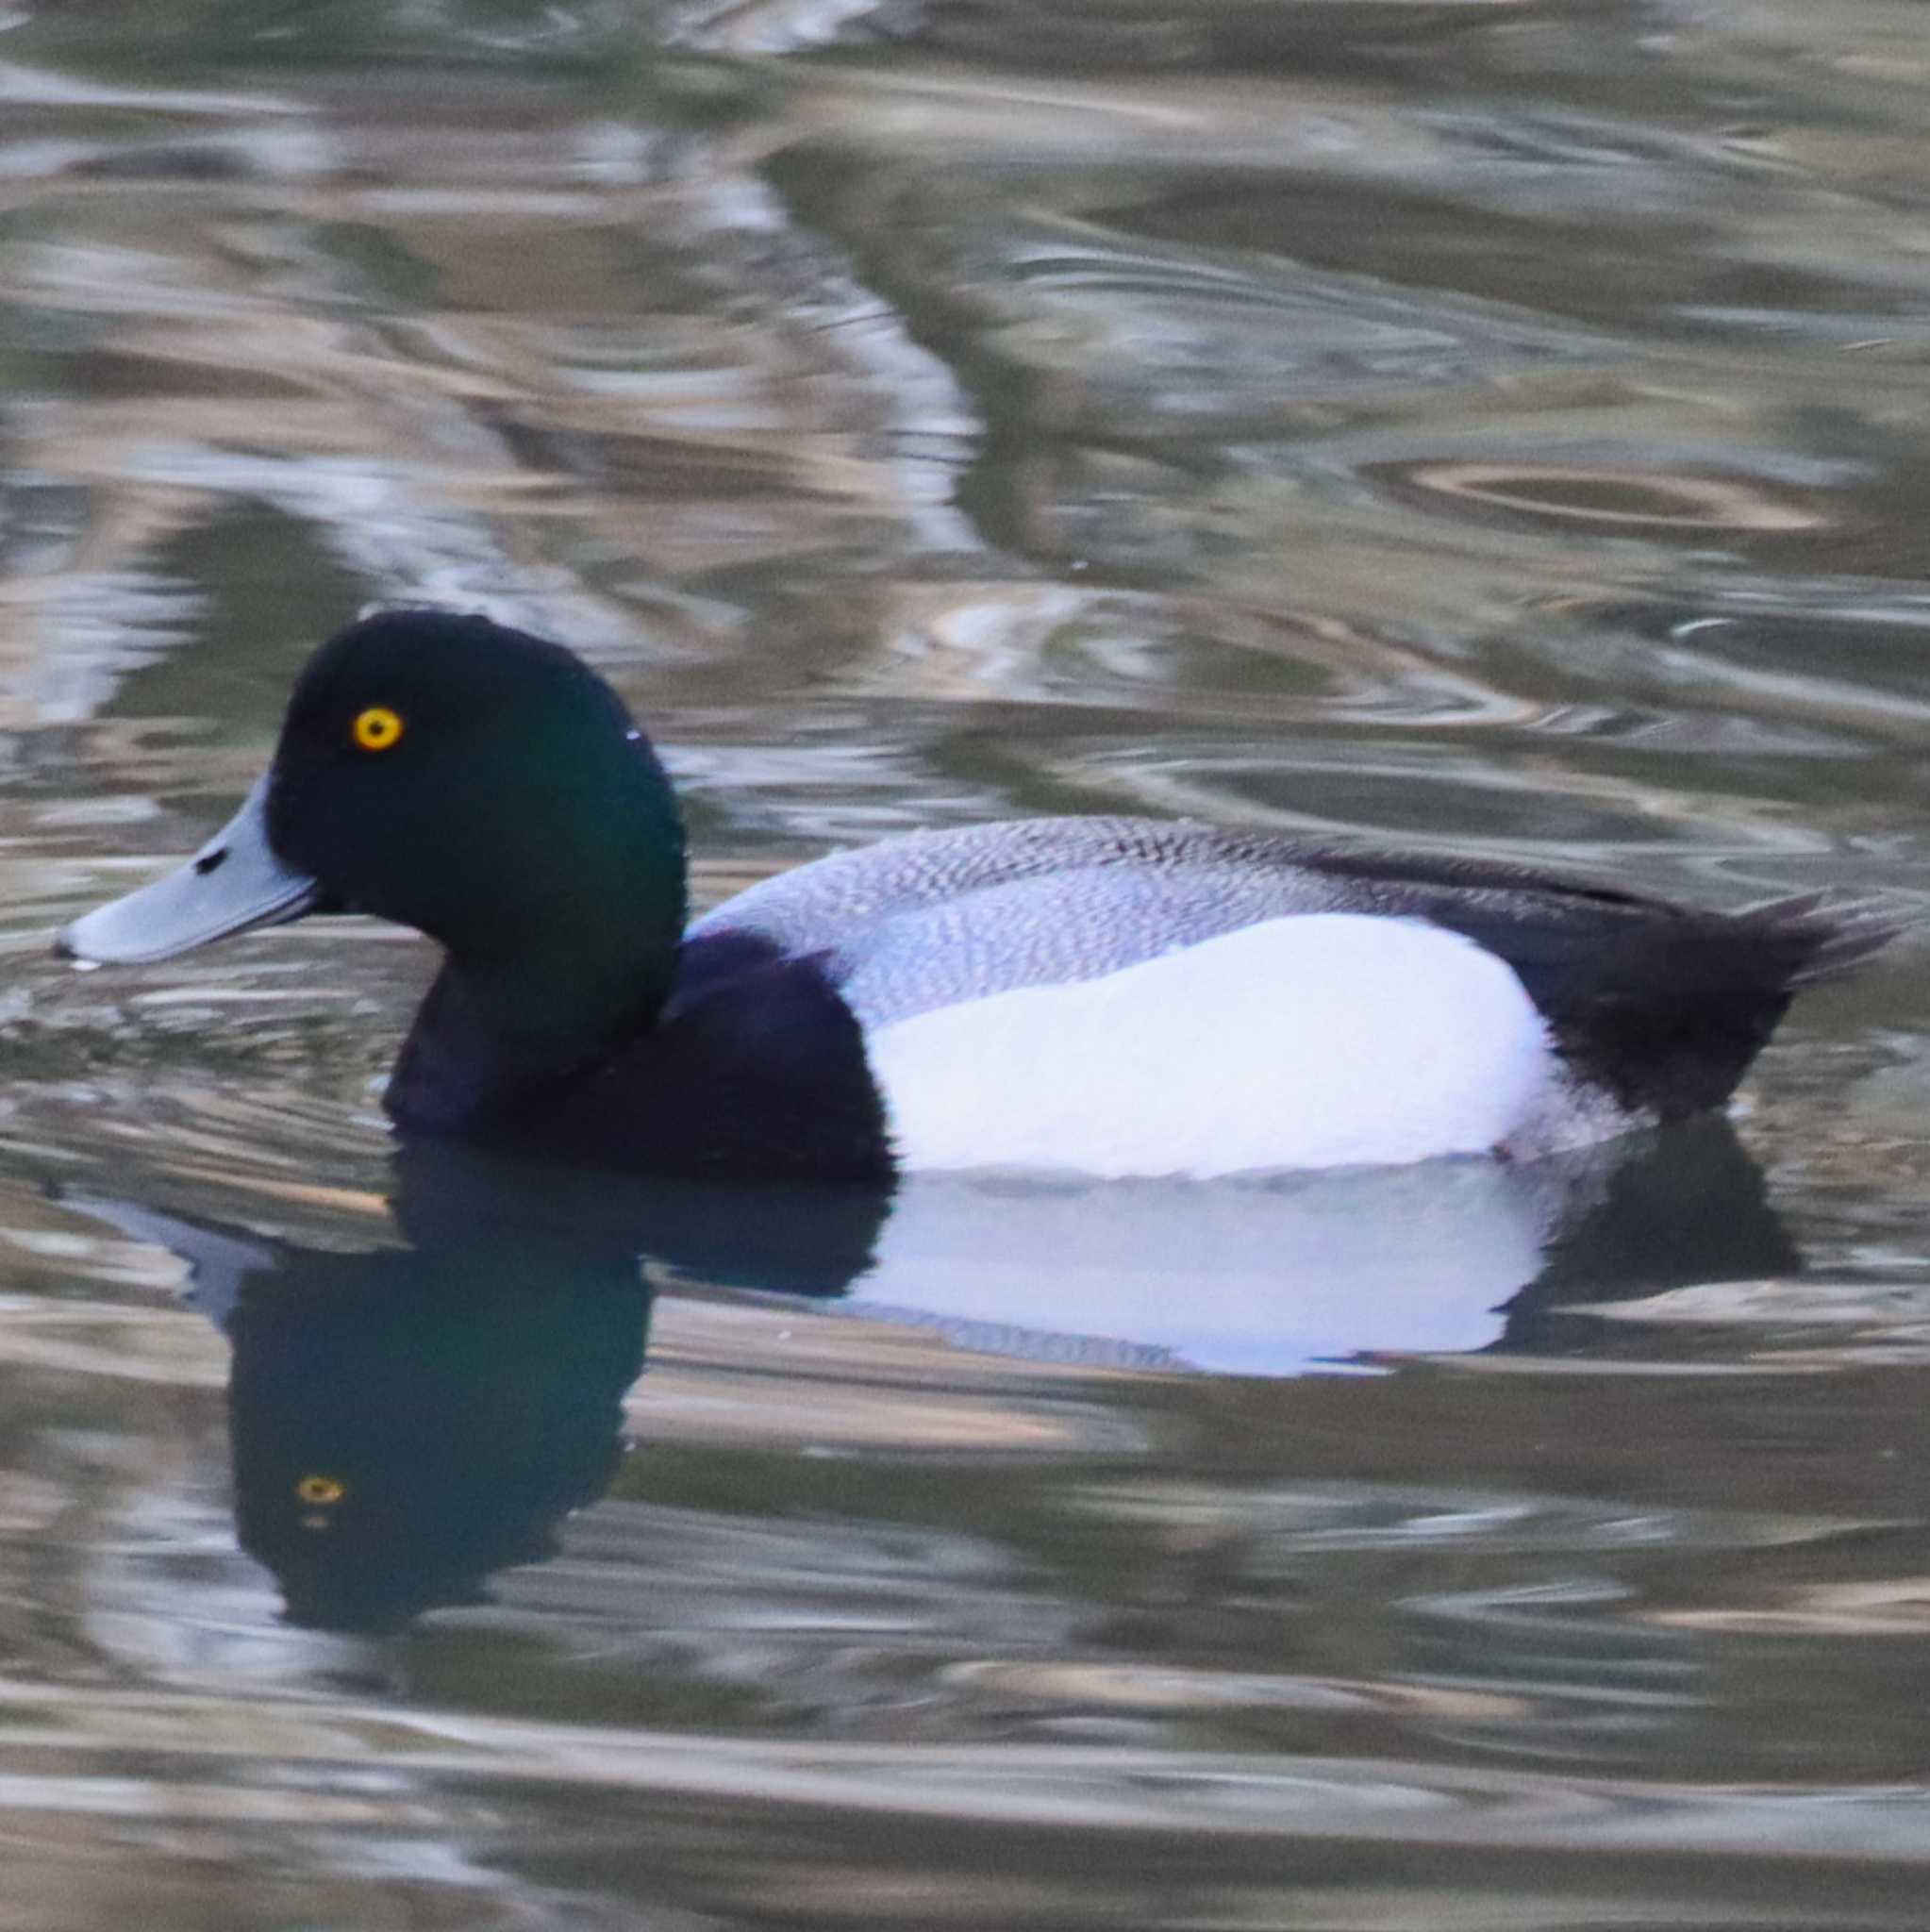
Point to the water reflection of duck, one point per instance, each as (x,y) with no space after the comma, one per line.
(1323,1271)
(405,1425)
(1110,996)
(408,1421)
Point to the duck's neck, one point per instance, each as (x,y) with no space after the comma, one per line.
(559,976)
(491,1036)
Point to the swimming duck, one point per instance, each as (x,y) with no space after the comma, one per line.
(1113,996)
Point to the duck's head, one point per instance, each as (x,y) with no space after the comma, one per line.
(444,772)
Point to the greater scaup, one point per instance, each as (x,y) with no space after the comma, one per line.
(1116,996)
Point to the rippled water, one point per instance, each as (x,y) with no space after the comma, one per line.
(1491,424)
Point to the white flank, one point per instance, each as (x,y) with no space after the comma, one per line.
(1325,1039)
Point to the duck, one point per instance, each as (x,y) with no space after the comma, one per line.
(1104,996)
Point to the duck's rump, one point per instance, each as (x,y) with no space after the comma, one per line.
(1660,1008)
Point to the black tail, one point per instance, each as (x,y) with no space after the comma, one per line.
(1664,1005)
(1670,1010)
(1830,932)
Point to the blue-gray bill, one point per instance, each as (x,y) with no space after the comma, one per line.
(234,884)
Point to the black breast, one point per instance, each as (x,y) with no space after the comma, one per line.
(756,1071)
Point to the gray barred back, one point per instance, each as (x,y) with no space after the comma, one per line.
(938,918)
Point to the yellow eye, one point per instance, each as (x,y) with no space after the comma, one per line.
(378,728)
(321,1490)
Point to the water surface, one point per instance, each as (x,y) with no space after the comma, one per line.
(1492,424)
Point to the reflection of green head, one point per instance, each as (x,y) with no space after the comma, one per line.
(403,1424)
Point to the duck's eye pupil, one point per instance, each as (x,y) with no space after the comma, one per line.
(320,1490)
(378,728)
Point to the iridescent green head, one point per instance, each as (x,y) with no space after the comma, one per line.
(472,782)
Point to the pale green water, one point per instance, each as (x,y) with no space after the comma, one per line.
(1493,424)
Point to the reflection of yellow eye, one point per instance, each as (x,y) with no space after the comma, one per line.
(320,1490)
(378,728)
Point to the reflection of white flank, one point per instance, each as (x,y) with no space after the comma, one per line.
(1264,1279)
